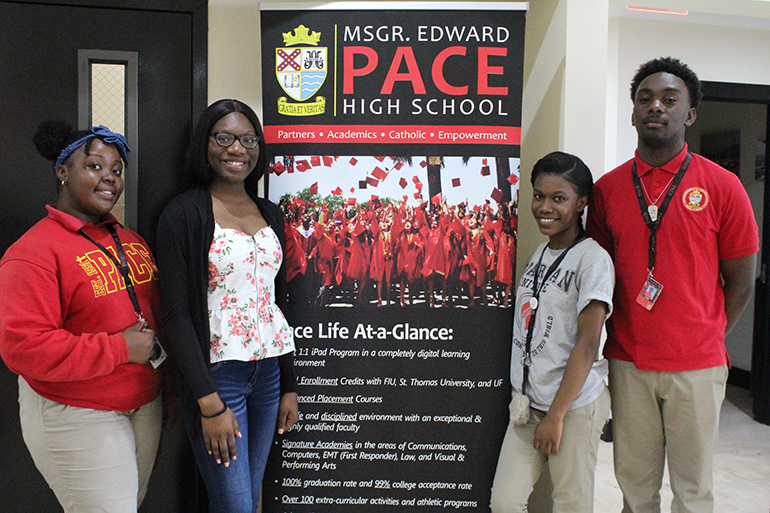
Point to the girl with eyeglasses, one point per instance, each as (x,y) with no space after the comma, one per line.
(223,281)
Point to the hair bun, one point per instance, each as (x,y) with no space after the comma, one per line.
(51,138)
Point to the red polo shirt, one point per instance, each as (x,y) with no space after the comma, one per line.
(709,219)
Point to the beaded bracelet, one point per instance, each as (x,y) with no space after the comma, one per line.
(224,409)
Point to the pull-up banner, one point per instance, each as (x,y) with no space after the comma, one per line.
(393,133)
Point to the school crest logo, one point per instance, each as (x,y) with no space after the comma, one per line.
(300,68)
(695,198)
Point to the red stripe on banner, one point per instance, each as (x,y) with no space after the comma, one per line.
(392,134)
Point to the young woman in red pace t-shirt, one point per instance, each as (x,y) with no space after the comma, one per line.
(89,401)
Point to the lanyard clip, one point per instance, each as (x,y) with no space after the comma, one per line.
(141,319)
(526,360)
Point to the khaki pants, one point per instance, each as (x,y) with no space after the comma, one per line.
(659,415)
(572,470)
(93,460)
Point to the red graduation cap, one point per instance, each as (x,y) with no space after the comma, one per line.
(497,195)
(327,161)
(352,190)
(455,182)
(403,183)
(406,197)
(351,201)
(436,199)
(353,161)
(372,181)
(315,161)
(417,195)
(512,179)
(380,158)
(302,165)
(337,191)
(379,173)
(485,171)
(313,189)
(483,162)
(278,168)
(423,164)
(375,198)
(398,166)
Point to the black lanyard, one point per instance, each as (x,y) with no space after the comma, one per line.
(122,265)
(653,225)
(526,360)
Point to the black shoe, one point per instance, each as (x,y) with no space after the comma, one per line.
(607,432)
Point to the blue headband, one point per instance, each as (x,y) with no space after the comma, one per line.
(104,134)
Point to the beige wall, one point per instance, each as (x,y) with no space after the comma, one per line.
(719,54)
(235,67)
(565,94)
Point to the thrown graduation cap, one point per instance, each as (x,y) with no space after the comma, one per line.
(379,174)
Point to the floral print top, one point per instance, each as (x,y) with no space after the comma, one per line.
(246,324)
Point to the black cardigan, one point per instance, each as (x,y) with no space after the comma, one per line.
(185,232)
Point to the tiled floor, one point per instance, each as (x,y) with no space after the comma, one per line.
(741,465)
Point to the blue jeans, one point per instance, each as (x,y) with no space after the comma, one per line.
(252,390)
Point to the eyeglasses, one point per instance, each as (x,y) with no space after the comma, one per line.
(226,140)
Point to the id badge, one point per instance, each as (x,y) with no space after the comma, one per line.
(649,293)
(158,354)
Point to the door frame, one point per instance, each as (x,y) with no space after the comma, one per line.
(175,475)
(760,356)
(197,9)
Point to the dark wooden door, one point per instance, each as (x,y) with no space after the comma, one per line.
(39,43)
(760,357)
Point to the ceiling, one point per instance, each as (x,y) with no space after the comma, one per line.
(748,14)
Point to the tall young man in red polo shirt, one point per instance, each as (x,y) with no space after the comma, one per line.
(682,234)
